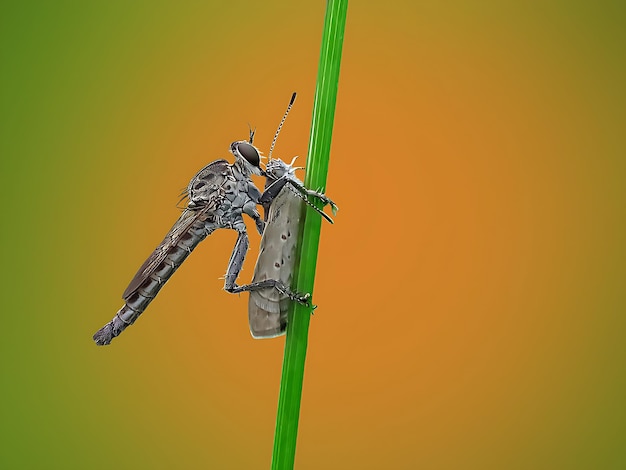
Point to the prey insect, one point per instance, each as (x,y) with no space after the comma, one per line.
(284,200)
(218,195)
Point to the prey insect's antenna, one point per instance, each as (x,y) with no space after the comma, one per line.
(293,98)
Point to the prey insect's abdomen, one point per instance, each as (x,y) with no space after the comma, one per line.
(267,308)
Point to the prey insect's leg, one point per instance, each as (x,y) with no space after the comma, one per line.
(309,192)
(301,191)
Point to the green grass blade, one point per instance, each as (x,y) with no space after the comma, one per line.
(316,172)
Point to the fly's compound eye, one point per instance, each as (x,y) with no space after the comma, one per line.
(248,152)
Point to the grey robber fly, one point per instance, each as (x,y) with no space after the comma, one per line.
(219,195)
(284,199)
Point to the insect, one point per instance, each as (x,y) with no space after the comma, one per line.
(283,199)
(219,195)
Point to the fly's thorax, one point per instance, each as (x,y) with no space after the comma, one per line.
(242,192)
(204,187)
(220,188)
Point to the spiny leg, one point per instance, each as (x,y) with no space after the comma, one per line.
(258,221)
(235,264)
(279,286)
(299,190)
(321,196)
(234,268)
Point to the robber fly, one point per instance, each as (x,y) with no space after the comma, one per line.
(218,196)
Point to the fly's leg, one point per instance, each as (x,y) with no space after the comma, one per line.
(237,258)
(250,209)
(260,225)
(234,268)
(303,299)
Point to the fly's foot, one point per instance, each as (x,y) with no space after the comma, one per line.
(303,299)
(306,301)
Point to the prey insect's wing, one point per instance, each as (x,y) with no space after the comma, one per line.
(267,308)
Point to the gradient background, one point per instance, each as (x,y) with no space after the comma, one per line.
(471,292)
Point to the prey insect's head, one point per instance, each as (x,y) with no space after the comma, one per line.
(247,156)
(276,168)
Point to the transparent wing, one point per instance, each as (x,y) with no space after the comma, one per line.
(180,228)
(203,192)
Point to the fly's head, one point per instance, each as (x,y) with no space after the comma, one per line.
(247,157)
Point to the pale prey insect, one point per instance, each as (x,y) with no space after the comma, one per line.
(284,199)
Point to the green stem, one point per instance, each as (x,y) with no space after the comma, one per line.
(316,173)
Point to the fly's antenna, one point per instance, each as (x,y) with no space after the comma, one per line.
(252,132)
(293,98)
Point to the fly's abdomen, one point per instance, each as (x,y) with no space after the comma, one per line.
(157,270)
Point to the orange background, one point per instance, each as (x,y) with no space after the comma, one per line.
(471,292)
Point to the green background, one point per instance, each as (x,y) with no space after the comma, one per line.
(471,293)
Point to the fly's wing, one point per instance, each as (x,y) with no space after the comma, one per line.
(180,228)
(267,308)
(203,199)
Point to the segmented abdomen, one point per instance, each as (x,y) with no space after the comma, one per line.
(156,271)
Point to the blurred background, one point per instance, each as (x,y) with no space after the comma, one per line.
(471,291)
